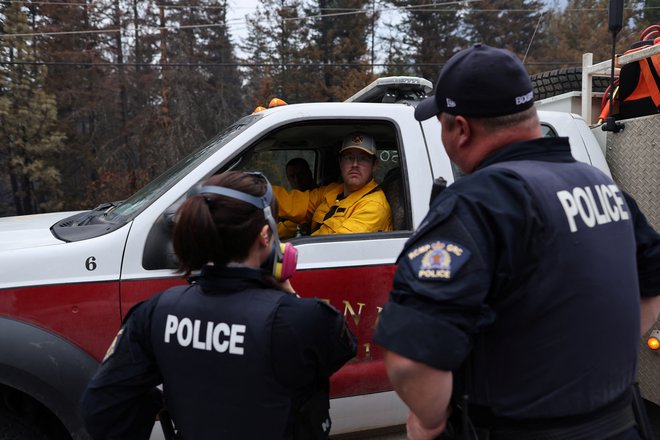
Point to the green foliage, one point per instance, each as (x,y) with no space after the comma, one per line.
(203,100)
(152,80)
(510,24)
(28,120)
(278,50)
(338,42)
(651,12)
(582,26)
(432,33)
(315,52)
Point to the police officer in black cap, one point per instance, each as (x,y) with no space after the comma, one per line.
(519,294)
(239,354)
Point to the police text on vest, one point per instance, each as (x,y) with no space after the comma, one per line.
(607,205)
(220,337)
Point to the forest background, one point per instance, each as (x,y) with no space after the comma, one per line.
(98,97)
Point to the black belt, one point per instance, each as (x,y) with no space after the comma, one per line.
(606,425)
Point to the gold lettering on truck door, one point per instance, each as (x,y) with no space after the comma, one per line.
(348,308)
(367,351)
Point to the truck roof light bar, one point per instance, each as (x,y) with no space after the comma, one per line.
(394,89)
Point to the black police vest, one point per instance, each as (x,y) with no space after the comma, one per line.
(214,352)
(566,337)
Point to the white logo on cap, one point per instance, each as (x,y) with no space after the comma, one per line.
(525,98)
(450,103)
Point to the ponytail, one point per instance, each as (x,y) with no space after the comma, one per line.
(216,228)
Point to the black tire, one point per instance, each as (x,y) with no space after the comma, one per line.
(555,82)
(13,428)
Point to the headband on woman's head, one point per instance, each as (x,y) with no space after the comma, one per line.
(259,202)
(263,202)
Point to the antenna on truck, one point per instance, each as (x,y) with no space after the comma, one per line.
(615,24)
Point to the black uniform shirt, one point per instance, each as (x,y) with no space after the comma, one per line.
(465,273)
(308,342)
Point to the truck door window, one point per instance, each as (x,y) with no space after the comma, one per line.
(273,163)
(318,143)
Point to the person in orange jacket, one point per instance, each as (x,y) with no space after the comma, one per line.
(356,205)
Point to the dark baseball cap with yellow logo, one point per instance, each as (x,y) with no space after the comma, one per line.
(361,141)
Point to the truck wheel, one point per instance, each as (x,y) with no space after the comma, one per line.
(556,82)
(13,428)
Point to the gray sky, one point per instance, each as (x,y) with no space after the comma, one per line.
(238,9)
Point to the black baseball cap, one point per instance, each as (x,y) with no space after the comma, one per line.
(479,81)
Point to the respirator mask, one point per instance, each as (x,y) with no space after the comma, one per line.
(283,257)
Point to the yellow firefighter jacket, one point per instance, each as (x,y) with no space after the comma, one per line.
(365,210)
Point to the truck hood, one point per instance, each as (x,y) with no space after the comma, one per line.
(29,230)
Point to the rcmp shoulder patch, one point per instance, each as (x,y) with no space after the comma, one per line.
(111,349)
(438,259)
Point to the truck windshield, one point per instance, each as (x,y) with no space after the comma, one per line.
(154,189)
(108,217)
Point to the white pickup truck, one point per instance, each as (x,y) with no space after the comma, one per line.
(68,278)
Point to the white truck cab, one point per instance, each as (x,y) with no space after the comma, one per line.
(69,278)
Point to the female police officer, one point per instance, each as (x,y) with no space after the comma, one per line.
(237,352)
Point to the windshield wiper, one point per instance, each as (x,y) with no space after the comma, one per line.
(102,209)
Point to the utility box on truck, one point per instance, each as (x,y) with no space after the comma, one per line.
(633,155)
